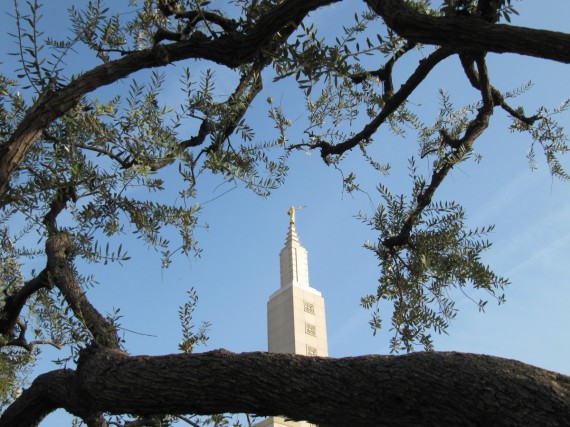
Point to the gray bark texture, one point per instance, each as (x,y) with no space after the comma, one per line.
(425,389)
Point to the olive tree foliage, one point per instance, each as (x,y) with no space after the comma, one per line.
(80,168)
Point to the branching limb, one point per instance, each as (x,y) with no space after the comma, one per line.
(461,148)
(22,342)
(391,105)
(231,51)
(61,273)
(63,195)
(14,304)
(384,74)
(468,62)
(60,252)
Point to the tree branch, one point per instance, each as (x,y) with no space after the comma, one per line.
(231,50)
(461,148)
(60,251)
(472,33)
(44,396)
(22,342)
(467,62)
(384,74)
(13,304)
(192,423)
(195,16)
(63,195)
(235,49)
(391,105)
(391,390)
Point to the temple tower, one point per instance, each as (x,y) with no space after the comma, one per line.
(296,320)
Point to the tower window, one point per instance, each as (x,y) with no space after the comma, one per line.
(309,308)
(310,329)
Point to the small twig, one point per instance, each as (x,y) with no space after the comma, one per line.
(21,341)
(188,420)
(135,332)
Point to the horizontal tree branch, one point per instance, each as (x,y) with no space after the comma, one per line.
(416,389)
(471,33)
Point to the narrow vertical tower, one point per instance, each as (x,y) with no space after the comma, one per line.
(296,321)
(296,312)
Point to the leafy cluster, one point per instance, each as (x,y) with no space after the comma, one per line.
(191,339)
(421,276)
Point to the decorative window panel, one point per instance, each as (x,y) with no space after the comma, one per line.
(310,329)
(309,307)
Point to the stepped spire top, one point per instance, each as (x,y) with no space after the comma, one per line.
(294,262)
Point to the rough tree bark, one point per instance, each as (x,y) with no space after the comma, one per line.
(416,389)
(469,33)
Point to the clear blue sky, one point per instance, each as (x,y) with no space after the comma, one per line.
(239,267)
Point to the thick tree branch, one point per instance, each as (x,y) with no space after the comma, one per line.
(473,33)
(390,390)
(45,395)
(60,250)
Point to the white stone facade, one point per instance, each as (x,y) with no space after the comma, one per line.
(281,422)
(296,322)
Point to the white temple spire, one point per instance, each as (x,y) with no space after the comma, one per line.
(296,320)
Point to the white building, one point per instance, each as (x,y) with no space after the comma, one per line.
(296,320)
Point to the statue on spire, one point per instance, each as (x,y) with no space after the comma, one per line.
(291,213)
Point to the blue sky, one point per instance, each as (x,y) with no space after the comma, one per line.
(239,266)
